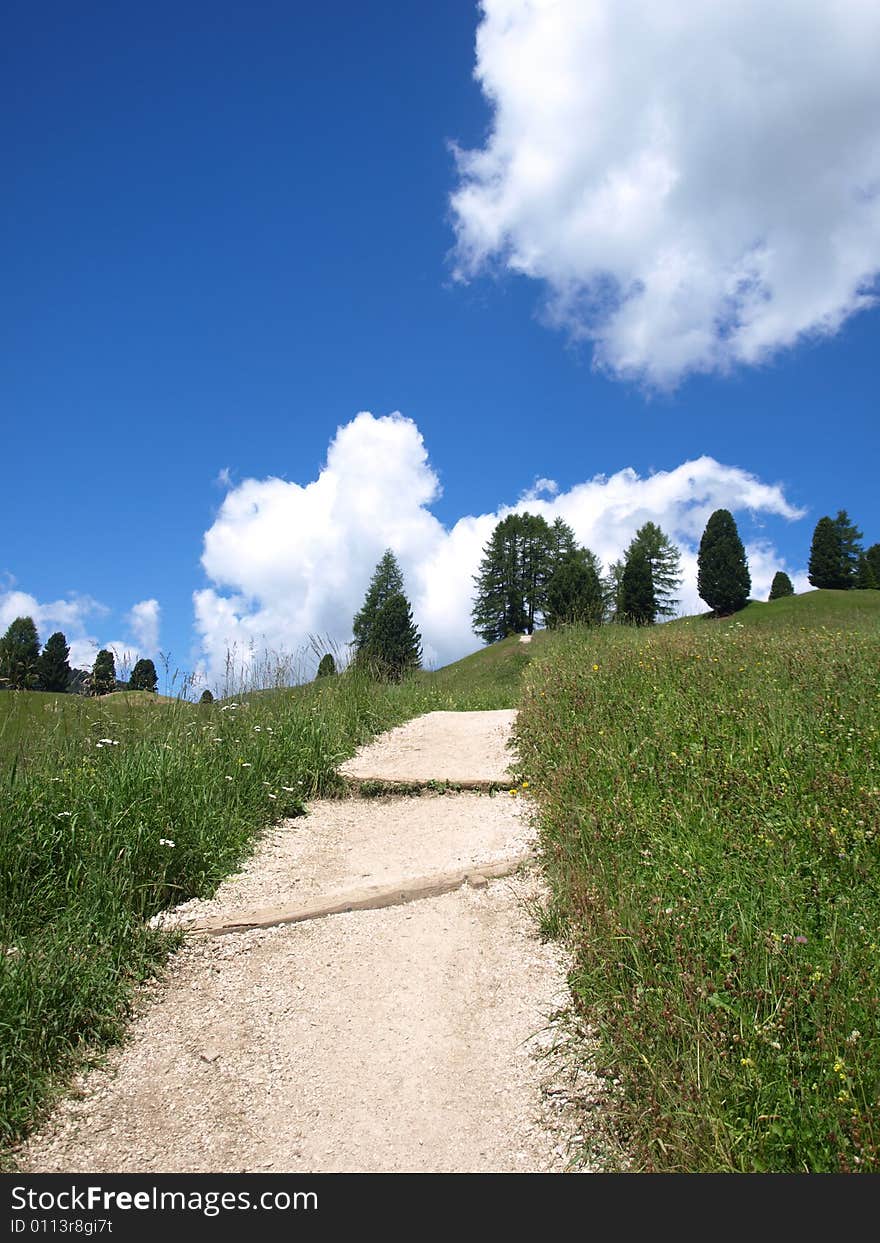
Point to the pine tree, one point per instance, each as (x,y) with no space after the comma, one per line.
(143,677)
(103,673)
(387,579)
(865,579)
(20,655)
(574,592)
(394,646)
(54,668)
(326,666)
(723,578)
(207,697)
(638,603)
(850,546)
(826,568)
(665,562)
(781,586)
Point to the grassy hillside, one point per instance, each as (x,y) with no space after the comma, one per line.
(709,799)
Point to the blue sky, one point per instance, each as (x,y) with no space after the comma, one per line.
(228,230)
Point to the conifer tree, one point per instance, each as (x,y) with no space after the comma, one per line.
(103,673)
(826,568)
(723,578)
(638,603)
(143,677)
(518,563)
(386,640)
(781,586)
(387,579)
(872,556)
(54,667)
(207,697)
(574,592)
(326,666)
(865,578)
(665,562)
(20,655)
(393,647)
(850,546)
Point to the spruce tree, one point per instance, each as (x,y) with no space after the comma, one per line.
(394,646)
(665,562)
(826,568)
(207,697)
(387,579)
(638,603)
(143,677)
(326,666)
(723,578)
(103,673)
(781,586)
(54,668)
(386,640)
(574,592)
(20,655)
(850,546)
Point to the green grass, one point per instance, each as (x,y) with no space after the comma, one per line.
(709,801)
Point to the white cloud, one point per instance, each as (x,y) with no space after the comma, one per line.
(697,184)
(295,559)
(143,620)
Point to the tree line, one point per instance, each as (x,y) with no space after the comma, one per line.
(24,667)
(533,572)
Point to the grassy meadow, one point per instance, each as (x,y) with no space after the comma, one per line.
(708,798)
(112,809)
(709,802)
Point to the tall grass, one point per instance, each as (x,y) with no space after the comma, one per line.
(709,801)
(111,810)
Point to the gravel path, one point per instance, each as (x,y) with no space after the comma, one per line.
(410,1038)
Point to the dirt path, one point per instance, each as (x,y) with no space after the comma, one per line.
(404,1038)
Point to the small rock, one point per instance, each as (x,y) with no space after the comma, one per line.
(477,881)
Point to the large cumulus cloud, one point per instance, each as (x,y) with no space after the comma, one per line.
(290,561)
(697,184)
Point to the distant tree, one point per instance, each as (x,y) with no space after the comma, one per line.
(723,578)
(326,666)
(781,586)
(207,697)
(872,556)
(387,579)
(826,568)
(518,563)
(865,579)
(393,647)
(103,673)
(850,546)
(386,640)
(20,655)
(665,562)
(143,677)
(53,667)
(574,592)
(638,603)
